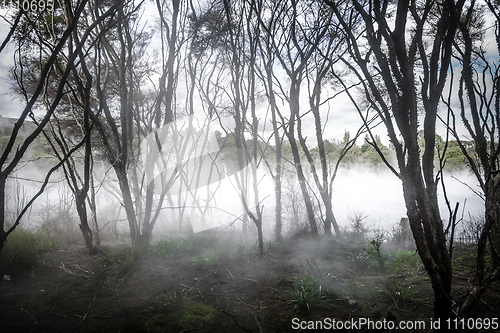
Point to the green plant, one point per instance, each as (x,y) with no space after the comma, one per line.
(304,299)
(401,233)
(208,258)
(172,247)
(241,250)
(374,250)
(105,275)
(358,259)
(312,293)
(180,247)
(122,262)
(110,271)
(407,260)
(178,311)
(397,292)
(25,247)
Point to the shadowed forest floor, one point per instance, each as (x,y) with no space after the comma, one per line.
(209,284)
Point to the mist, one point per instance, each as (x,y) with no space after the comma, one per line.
(375,193)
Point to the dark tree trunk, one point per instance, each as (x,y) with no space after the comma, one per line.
(128,202)
(330,216)
(261,239)
(93,211)
(490,231)
(427,228)
(303,187)
(493,215)
(81,208)
(294,114)
(3,234)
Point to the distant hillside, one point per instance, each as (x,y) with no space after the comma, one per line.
(39,146)
(7,124)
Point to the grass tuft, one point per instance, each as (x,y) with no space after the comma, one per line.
(312,293)
(180,247)
(178,311)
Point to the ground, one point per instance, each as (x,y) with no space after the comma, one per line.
(209,284)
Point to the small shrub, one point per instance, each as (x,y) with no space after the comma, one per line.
(169,302)
(374,250)
(357,223)
(467,259)
(105,275)
(241,250)
(470,230)
(25,247)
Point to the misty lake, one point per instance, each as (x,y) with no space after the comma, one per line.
(378,195)
(358,190)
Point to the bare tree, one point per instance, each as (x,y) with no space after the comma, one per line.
(243,31)
(120,70)
(403,75)
(266,75)
(479,100)
(10,158)
(292,45)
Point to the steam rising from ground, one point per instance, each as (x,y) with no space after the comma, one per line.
(358,189)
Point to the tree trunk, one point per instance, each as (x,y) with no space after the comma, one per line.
(493,213)
(294,114)
(491,231)
(278,227)
(423,215)
(3,234)
(93,210)
(303,188)
(128,202)
(81,208)
(330,217)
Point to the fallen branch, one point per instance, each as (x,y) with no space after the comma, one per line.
(250,306)
(66,270)
(237,277)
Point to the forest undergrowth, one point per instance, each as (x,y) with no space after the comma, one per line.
(212,283)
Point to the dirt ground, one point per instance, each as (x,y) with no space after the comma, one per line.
(225,290)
